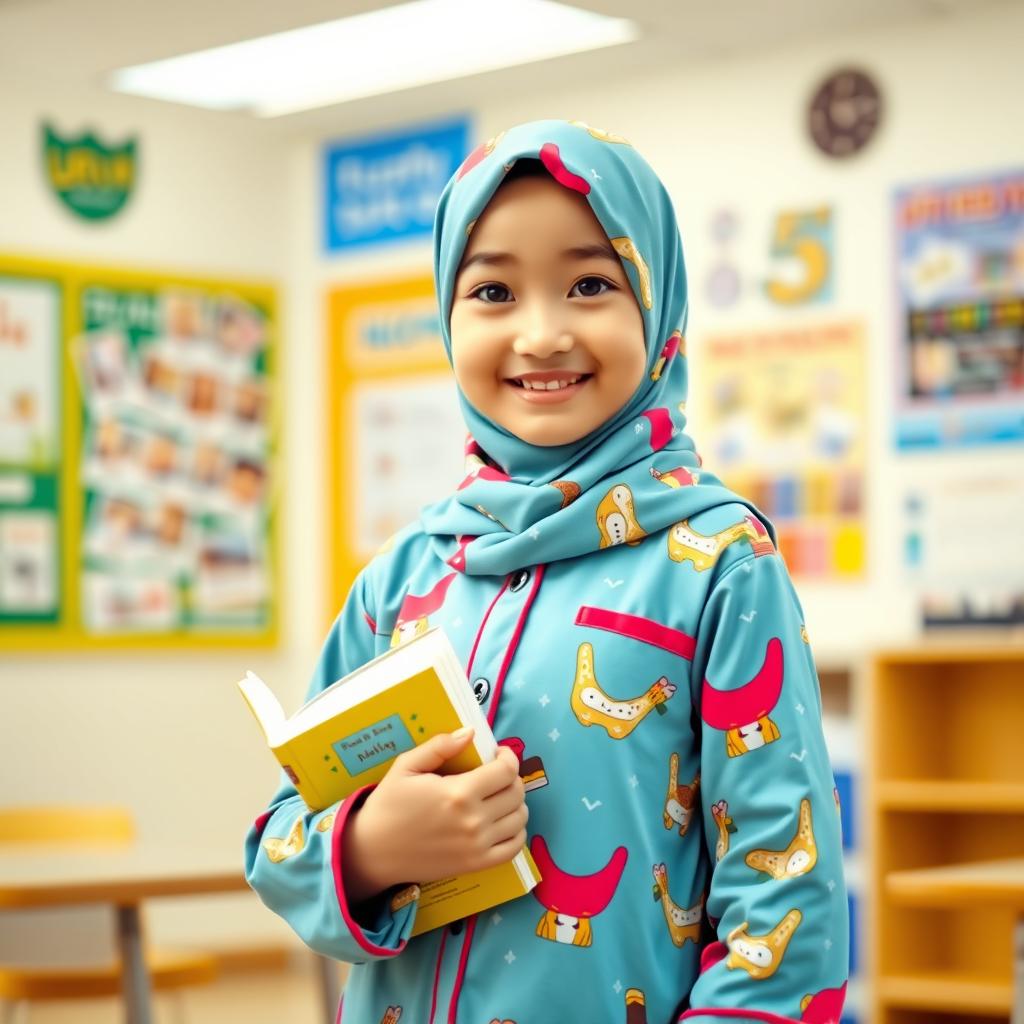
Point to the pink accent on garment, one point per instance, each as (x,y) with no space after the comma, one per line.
(713,953)
(453,1008)
(551,158)
(661,427)
(826,1006)
(575,895)
(733,1013)
(729,709)
(636,627)
(510,651)
(420,607)
(261,822)
(337,834)
(370,622)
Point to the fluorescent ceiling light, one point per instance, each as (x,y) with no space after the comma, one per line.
(381,51)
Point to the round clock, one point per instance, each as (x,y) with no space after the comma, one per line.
(844,113)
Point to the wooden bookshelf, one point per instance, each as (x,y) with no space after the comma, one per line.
(946,832)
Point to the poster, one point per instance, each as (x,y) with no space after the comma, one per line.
(960,332)
(137,453)
(949,516)
(385,188)
(30,424)
(784,425)
(396,434)
(176,459)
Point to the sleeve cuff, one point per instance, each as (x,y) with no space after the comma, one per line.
(383,930)
(706,1015)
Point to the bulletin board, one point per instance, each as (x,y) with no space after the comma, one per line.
(138,439)
(960,334)
(396,436)
(786,427)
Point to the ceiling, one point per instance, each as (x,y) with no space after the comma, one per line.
(71,44)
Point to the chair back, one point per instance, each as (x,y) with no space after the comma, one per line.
(67,825)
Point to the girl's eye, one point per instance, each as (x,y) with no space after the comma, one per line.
(589,287)
(492,293)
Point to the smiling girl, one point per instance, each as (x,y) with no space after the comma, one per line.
(630,632)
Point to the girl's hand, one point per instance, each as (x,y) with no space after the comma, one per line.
(417,826)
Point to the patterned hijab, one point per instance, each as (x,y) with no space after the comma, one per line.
(523,504)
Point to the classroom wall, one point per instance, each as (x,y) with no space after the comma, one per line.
(166,734)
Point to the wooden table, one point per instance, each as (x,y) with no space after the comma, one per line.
(999,882)
(38,876)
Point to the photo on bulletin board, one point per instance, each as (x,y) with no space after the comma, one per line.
(784,424)
(31,319)
(137,459)
(396,436)
(960,331)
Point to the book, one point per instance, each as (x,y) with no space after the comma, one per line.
(346,737)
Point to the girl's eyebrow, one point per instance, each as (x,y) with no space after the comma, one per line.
(598,250)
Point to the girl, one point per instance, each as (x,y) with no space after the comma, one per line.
(630,631)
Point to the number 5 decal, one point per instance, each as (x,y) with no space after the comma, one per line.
(803,240)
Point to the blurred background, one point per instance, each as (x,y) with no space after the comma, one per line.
(222,388)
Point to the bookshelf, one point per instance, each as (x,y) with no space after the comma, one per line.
(946,832)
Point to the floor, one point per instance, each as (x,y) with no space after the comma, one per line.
(281,997)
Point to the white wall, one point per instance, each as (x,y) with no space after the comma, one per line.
(165,734)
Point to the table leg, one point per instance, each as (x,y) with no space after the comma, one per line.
(330,987)
(135,985)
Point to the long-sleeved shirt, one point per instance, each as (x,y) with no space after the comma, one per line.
(663,701)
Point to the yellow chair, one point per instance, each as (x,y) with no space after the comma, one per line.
(92,827)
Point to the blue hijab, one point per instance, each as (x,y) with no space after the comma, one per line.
(523,504)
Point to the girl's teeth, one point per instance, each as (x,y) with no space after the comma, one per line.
(551,385)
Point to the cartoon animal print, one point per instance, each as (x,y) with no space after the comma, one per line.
(570,901)
(616,518)
(725,826)
(592,706)
(531,769)
(676,478)
(326,823)
(796,859)
(742,714)
(636,1006)
(281,849)
(703,550)
(760,955)
(672,346)
(392,1015)
(683,924)
(824,1007)
(570,490)
(628,251)
(600,134)
(681,800)
(413,616)
(484,150)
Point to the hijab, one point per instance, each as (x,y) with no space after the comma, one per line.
(522,504)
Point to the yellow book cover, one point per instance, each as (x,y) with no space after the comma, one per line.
(346,737)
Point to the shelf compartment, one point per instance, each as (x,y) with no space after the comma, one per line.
(945,795)
(955,993)
(993,882)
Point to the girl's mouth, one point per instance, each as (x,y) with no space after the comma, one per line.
(548,388)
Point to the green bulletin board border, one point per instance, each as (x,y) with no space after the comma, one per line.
(68,633)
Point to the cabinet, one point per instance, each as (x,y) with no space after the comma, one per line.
(946,832)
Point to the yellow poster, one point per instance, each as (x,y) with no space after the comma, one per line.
(395,431)
(785,425)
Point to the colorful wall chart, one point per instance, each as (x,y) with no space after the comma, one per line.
(395,432)
(960,332)
(785,426)
(137,445)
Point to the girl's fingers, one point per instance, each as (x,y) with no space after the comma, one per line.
(490,778)
(512,827)
(505,802)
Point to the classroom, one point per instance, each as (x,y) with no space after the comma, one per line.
(226,323)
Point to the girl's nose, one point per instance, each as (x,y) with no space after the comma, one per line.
(542,340)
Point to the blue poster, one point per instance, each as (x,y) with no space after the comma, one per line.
(385,187)
(960,328)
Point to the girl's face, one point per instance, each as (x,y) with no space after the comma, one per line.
(547,336)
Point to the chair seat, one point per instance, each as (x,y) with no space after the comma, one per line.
(168,970)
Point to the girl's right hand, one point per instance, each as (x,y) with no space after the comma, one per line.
(418,826)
